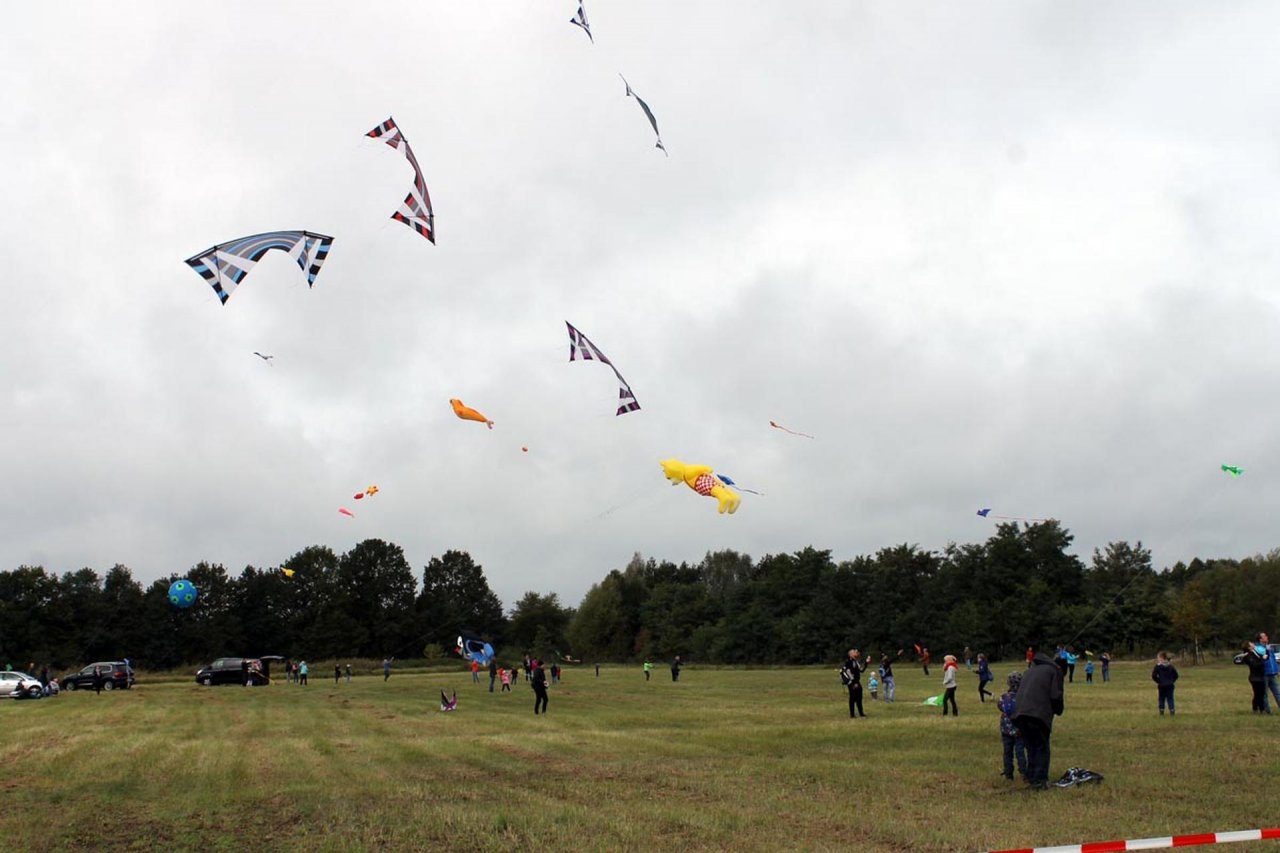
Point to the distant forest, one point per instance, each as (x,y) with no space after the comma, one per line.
(1018,588)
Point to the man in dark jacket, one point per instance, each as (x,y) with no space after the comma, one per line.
(539,681)
(851,675)
(1039,701)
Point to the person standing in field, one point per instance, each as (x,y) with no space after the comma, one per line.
(886,674)
(1031,653)
(924,660)
(968,658)
(648,668)
(475,672)
(1071,658)
(1270,671)
(506,679)
(97,680)
(348,673)
(873,686)
(539,681)
(1040,699)
(675,669)
(302,673)
(1088,671)
(1164,675)
(1010,737)
(493,673)
(337,674)
(1257,676)
(386,669)
(851,676)
(984,678)
(1105,657)
(949,669)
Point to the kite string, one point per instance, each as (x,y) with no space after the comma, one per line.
(1103,609)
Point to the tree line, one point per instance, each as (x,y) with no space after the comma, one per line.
(1021,587)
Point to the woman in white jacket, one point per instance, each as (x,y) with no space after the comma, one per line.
(949,669)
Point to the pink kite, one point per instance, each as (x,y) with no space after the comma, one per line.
(346,512)
(776,425)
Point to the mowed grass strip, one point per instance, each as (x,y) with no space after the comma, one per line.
(724,759)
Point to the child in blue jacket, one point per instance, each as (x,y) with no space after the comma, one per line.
(1010,737)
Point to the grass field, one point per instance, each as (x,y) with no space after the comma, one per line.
(725,759)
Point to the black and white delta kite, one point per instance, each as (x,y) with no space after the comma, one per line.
(648,112)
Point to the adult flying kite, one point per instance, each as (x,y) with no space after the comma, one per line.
(415,211)
(648,112)
(580,20)
(226,264)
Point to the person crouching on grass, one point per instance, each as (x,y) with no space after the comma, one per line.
(1164,675)
(949,669)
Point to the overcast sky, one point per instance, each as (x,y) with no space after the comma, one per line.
(1019,255)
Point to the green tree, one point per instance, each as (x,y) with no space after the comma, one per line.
(539,621)
(374,600)
(456,597)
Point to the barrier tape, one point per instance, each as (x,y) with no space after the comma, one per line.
(1154,843)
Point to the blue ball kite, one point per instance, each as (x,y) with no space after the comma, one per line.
(182,593)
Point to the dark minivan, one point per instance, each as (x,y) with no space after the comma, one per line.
(233,671)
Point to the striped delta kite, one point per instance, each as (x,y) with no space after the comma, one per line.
(580,20)
(581,347)
(415,211)
(225,265)
(648,112)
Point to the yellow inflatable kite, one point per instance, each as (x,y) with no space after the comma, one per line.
(701,479)
(469,414)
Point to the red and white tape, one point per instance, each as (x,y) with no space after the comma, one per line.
(1154,843)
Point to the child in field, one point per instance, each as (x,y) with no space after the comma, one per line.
(1010,737)
(1088,671)
(505,675)
(873,684)
(984,678)
(1164,675)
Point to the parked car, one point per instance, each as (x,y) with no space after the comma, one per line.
(19,685)
(231,671)
(116,674)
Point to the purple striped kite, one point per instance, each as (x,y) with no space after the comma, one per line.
(416,210)
(581,347)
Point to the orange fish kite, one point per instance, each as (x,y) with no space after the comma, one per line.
(469,414)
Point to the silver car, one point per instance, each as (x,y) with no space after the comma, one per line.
(19,685)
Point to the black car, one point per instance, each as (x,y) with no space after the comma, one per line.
(232,671)
(116,674)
